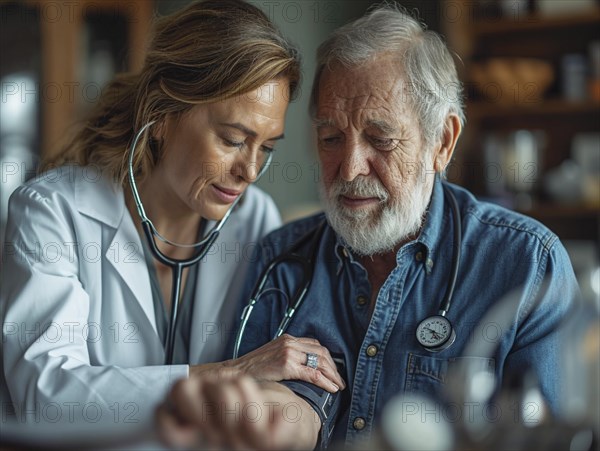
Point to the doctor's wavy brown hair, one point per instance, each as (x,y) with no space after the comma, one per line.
(209,51)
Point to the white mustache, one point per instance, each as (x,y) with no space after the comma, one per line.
(359,187)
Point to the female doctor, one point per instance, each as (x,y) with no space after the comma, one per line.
(86,302)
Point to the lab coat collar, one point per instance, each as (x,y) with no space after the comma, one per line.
(108,202)
(101,198)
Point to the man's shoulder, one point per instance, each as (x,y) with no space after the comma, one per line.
(290,233)
(493,220)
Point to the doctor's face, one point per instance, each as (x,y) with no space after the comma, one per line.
(214,151)
(377,173)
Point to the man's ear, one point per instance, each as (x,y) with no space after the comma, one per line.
(443,153)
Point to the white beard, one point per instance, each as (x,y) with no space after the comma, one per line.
(369,232)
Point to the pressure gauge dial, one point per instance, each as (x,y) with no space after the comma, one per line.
(435,333)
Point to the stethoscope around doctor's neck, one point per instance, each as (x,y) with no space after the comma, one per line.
(177,265)
(435,333)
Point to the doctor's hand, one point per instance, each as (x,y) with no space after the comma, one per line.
(209,412)
(284,358)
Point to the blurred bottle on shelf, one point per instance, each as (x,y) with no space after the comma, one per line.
(574,77)
(594,82)
(512,166)
(585,151)
(577,179)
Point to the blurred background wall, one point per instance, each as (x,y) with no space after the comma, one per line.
(531,70)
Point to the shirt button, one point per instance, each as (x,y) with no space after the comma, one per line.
(429,264)
(372,351)
(419,256)
(359,423)
(361,300)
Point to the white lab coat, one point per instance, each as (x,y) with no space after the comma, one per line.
(79,331)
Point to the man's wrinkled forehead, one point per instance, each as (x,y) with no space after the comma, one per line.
(375,86)
(362,94)
(375,100)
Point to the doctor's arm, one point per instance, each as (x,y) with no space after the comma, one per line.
(47,333)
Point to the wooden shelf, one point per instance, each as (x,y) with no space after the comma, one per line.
(543,108)
(536,22)
(545,37)
(534,36)
(61,46)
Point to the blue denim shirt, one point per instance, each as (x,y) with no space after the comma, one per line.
(501,251)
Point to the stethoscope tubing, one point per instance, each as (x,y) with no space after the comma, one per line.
(307,270)
(456,253)
(177,267)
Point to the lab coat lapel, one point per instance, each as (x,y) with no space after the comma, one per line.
(121,244)
(125,253)
(208,337)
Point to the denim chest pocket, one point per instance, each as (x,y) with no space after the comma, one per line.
(428,375)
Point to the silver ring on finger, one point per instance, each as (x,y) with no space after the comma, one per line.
(312,360)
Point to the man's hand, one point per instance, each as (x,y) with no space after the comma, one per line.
(236,413)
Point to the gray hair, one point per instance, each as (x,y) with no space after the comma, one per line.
(435,90)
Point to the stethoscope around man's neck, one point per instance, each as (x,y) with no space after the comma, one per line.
(177,265)
(435,333)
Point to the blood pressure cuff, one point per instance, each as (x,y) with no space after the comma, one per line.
(325,404)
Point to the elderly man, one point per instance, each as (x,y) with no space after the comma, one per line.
(390,296)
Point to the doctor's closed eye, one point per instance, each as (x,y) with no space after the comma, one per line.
(231,142)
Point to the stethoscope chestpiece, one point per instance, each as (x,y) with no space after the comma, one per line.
(435,333)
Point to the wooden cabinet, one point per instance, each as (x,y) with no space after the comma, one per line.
(66,28)
(509,107)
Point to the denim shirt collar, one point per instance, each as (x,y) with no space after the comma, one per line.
(429,237)
(435,222)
